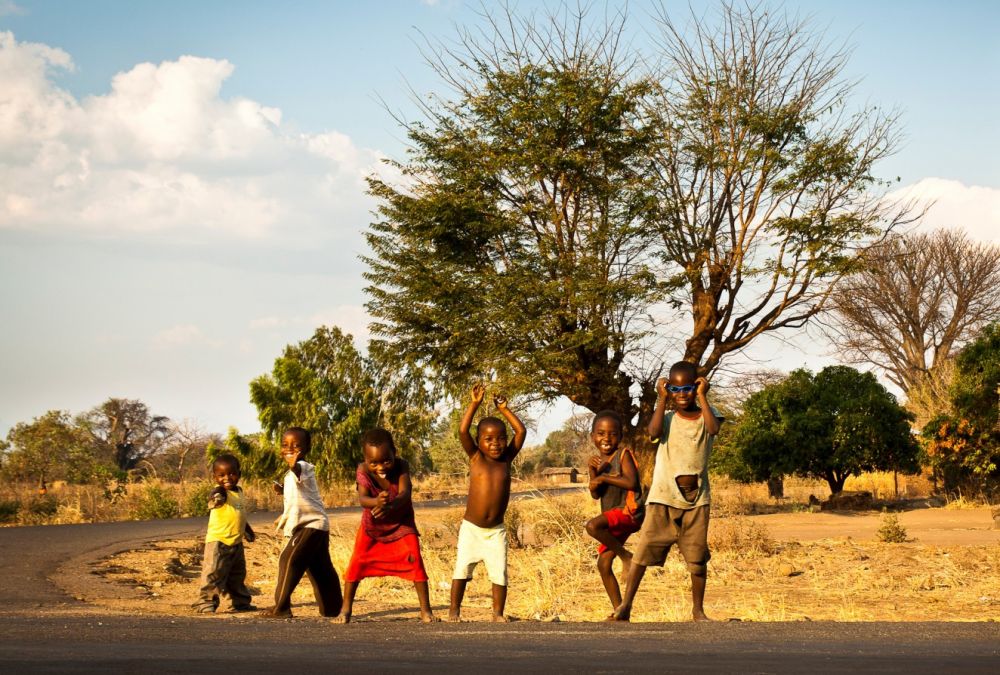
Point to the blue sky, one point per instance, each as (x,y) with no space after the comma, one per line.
(173,264)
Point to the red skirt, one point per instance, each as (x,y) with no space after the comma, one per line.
(400,558)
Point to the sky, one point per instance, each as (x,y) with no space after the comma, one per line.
(182,184)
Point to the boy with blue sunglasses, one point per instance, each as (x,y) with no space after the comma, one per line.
(677,505)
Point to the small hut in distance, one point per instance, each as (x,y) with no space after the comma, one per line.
(561,474)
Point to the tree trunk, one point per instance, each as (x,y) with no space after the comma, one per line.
(776,487)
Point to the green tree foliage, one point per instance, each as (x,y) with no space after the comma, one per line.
(325,385)
(831,425)
(49,447)
(123,432)
(964,445)
(562,198)
(259,457)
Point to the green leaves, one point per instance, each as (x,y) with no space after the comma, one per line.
(836,423)
(325,385)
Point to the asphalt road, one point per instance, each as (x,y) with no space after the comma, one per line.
(42,629)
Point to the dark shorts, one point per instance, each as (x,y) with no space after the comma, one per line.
(621,525)
(665,526)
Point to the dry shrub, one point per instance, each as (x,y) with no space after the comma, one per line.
(741,537)
(891,532)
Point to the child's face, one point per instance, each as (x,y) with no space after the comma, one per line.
(492,440)
(226,474)
(606,436)
(379,459)
(293,447)
(684,399)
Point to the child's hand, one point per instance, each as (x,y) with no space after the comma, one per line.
(500,401)
(478,393)
(382,499)
(703,386)
(661,387)
(217,497)
(595,483)
(278,488)
(598,464)
(249,534)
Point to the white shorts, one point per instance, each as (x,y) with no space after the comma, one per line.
(487,545)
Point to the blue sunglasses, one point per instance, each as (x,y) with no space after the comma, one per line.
(686,389)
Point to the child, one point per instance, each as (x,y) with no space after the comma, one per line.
(482,537)
(614,479)
(307,533)
(678,501)
(224,566)
(387,542)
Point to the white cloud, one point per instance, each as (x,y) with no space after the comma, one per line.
(973,208)
(11,8)
(183,335)
(352,319)
(163,152)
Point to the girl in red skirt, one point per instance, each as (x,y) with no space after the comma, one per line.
(387,543)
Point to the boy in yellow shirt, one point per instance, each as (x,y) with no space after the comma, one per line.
(224,567)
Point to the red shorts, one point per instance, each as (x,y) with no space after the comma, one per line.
(400,558)
(620,525)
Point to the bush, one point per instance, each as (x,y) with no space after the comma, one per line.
(196,500)
(891,532)
(155,504)
(43,506)
(8,510)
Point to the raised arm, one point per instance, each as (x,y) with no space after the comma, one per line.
(520,433)
(655,428)
(712,424)
(469,445)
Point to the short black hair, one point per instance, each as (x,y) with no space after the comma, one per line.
(226,458)
(378,437)
(607,415)
(685,367)
(490,421)
(305,433)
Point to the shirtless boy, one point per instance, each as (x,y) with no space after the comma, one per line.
(678,502)
(482,536)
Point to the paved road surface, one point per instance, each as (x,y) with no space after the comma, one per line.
(44,630)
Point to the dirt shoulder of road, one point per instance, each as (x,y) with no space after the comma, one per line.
(778,567)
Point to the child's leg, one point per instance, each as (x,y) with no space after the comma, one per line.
(635,575)
(698,595)
(499,602)
(291,566)
(424,597)
(604,562)
(599,529)
(239,594)
(325,582)
(350,588)
(208,593)
(457,594)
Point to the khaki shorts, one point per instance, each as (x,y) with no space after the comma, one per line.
(665,526)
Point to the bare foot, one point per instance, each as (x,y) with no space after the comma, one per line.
(428,617)
(274,613)
(621,614)
(500,618)
(343,618)
(454,617)
(612,617)
(699,615)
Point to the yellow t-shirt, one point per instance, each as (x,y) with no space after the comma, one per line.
(227,522)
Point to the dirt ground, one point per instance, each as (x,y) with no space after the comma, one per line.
(776,567)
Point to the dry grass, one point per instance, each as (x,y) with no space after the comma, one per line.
(752,576)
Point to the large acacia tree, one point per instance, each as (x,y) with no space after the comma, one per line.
(564,198)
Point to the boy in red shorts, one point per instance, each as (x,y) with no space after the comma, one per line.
(614,479)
